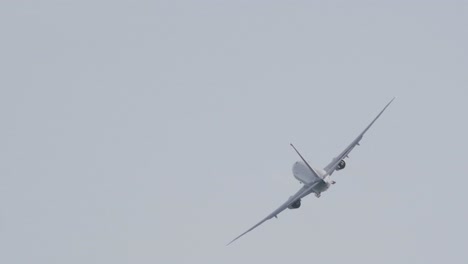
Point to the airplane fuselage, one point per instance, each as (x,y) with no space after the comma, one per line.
(302,173)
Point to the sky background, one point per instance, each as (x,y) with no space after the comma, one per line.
(157,131)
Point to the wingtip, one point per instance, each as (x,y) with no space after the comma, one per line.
(390,102)
(231,241)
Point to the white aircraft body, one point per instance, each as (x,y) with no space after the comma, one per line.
(315,180)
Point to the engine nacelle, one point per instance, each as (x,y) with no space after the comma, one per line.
(341,165)
(295,205)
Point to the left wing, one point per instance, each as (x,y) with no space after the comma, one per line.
(301,193)
(330,168)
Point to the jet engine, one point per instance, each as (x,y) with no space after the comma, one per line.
(295,205)
(341,165)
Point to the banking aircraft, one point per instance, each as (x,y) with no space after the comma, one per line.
(315,180)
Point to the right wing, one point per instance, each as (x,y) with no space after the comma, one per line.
(331,167)
(301,193)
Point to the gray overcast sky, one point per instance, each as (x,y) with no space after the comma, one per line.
(157,131)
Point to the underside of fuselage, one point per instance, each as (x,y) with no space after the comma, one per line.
(321,187)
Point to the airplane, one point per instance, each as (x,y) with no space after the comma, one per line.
(315,180)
